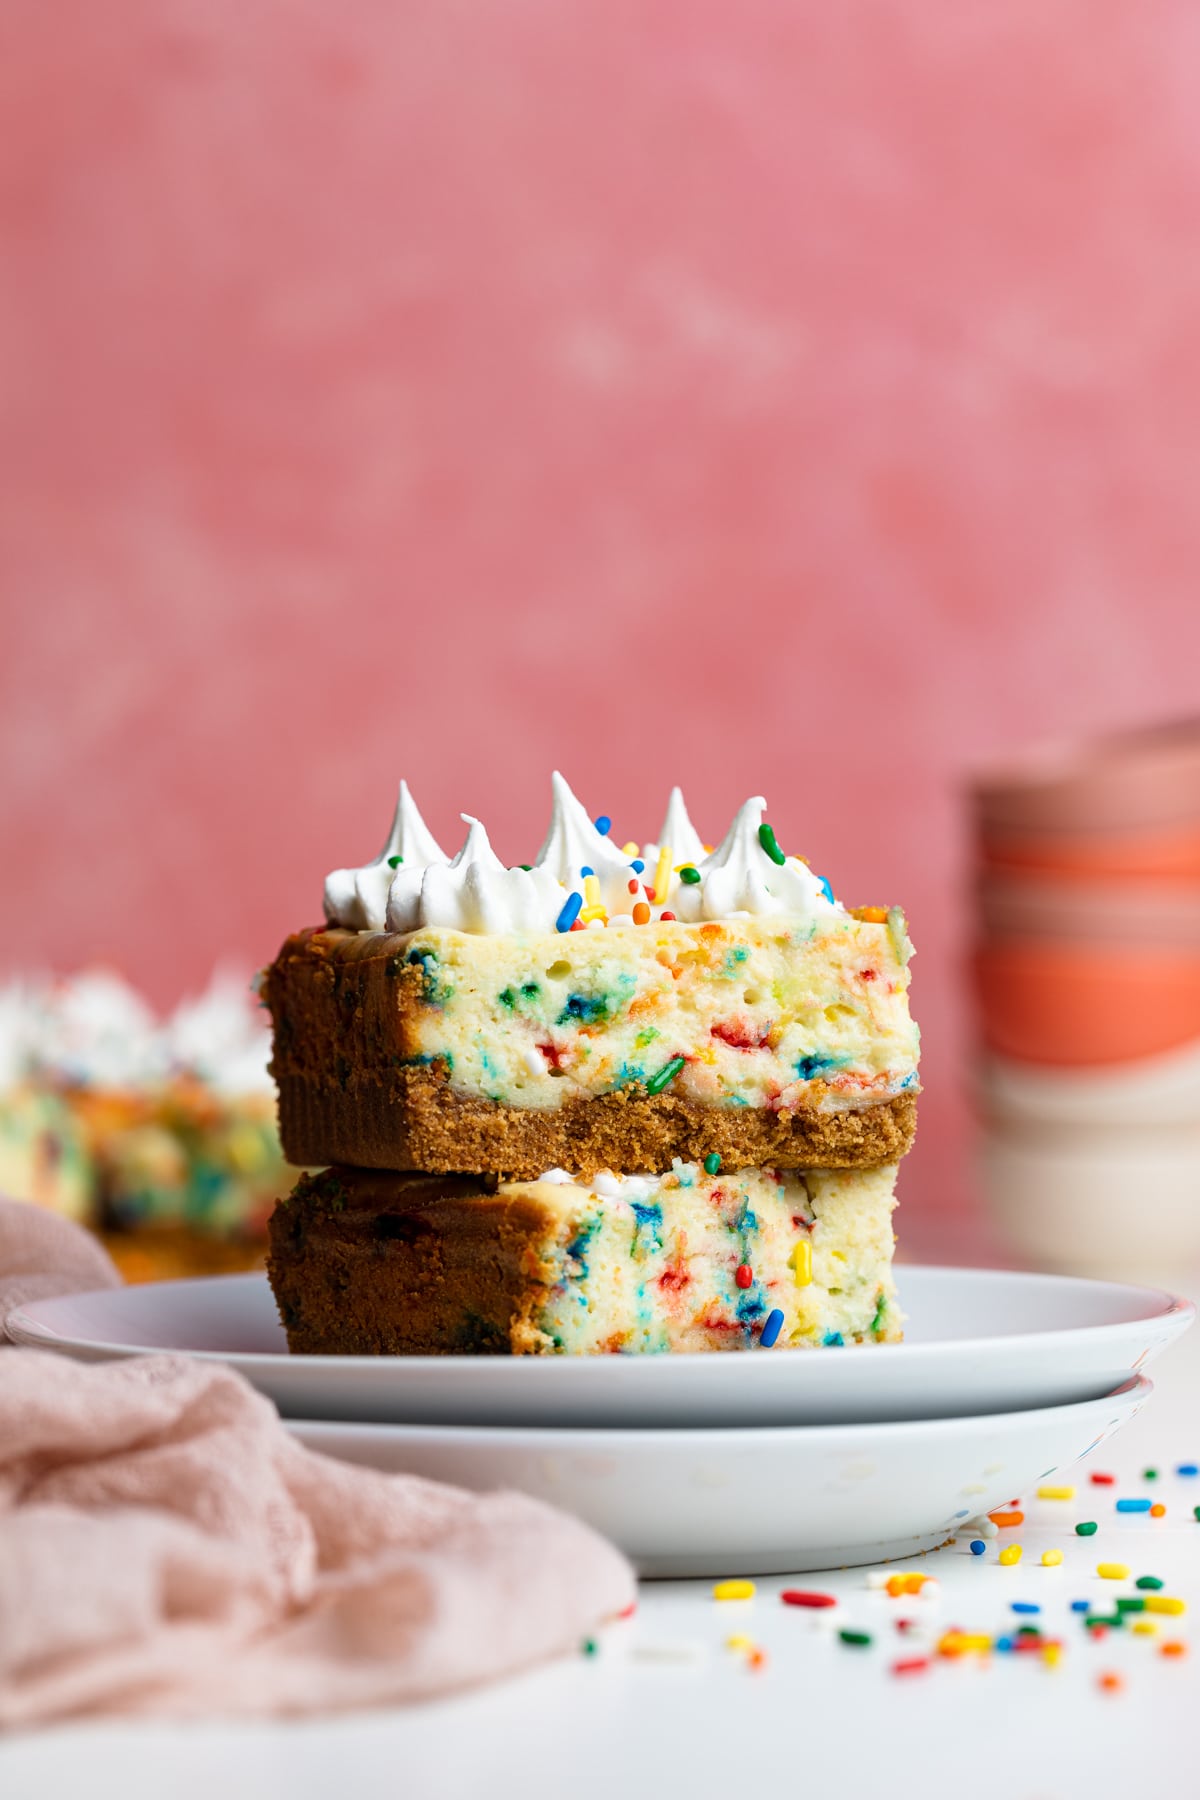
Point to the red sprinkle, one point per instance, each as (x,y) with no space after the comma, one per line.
(664,915)
(633,886)
(744,1275)
(910,1665)
(1103,1480)
(627,1612)
(802,1597)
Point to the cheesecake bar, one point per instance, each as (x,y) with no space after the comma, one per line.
(696,1259)
(602,1008)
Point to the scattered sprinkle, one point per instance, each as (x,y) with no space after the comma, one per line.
(1196,1513)
(978,1547)
(1165,1603)
(638,864)
(1080,1605)
(641,913)
(1187,1469)
(766,838)
(667,1073)
(805,1597)
(665,916)
(911,1665)
(1149,1474)
(1010,1554)
(689,875)
(662,876)
(800,1262)
(1056,1493)
(1099,1480)
(1133,1506)
(1148,1581)
(1006,1519)
(712,1163)
(957,1643)
(1051,1558)
(1158,1510)
(1025,1606)
(1052,1653)
(1110,1682)
(1113,1571)
(630,849)
(858,1639)
(734,1590)
(589,1646)
(393,862)
(744,1275)
(603,824)
(772,1326)
(1172,1647)
(1130,1603)
(1086,1528)
(569,913)
(1144,1627)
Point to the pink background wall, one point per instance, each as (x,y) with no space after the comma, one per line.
(780,397)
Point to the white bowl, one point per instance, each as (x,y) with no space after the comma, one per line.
(978,1341)
(1118,1203)
(761,1500)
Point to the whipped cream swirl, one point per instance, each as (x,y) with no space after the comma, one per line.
(580,873)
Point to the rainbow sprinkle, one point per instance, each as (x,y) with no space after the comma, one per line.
(570,912)
(766,838)
(772,1326)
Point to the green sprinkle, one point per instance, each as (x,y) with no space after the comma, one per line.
(1149,1474)
(766,838)
(1129,1603)
(1113,1619)
(860,1639)
(527,867)
(394,862)
(1196,1512)
(877,1321)
(590,1646)
(1029,1631)
(1088,1528)
(667,1073)
(712,1163)
(1148,1581)
(689,875)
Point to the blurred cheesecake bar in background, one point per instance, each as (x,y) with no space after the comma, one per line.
(668,1086)
(160,1135)
(1087,983)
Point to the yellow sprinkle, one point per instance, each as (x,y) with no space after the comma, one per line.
(739,1641)
(1164,1603)
(591,890)
(1113,1571)
(592,912)
(1051,1558)
(1144,1627)
(957,1643)
(734,1590)
(662,876)
(1056,1493)
(1010,1554)
(630,849)
(801,1262)
(1052,1655)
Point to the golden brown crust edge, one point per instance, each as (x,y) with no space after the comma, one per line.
(417,1121)
(376,1264)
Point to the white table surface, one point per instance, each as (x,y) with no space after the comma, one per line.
(665,1708)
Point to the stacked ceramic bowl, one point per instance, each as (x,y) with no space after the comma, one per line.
(1087,978)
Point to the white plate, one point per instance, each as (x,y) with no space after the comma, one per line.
(755,1501)
(978,1341)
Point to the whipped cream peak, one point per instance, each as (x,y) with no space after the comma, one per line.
(474,893)
(358,898)
(741,876)
(678,833)
(573,844)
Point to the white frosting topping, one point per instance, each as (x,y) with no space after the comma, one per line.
(578,869)
(740,877)
(358,898)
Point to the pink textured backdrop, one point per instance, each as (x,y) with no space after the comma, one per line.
(778,397)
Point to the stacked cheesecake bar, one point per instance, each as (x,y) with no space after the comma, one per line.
(621,1099)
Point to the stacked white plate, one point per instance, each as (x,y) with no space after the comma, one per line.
(778,1460)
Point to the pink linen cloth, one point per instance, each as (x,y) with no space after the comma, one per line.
(166,1547)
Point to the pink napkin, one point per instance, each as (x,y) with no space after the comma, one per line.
(167,1548)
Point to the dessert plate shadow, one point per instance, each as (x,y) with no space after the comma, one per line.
(978,1341)
(759,1500)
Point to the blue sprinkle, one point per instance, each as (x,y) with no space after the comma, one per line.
(1134,1505)
(977,1546)
(1003,1643)
(637,864)
(572,907)
(833,1337)
(603,824)
(771,1329)
(1081,1606)
(586,871)
(1025,1606)
(826,889)
(964,1514)
(1188,1469)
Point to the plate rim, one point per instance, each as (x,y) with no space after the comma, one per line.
(1173,1309)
